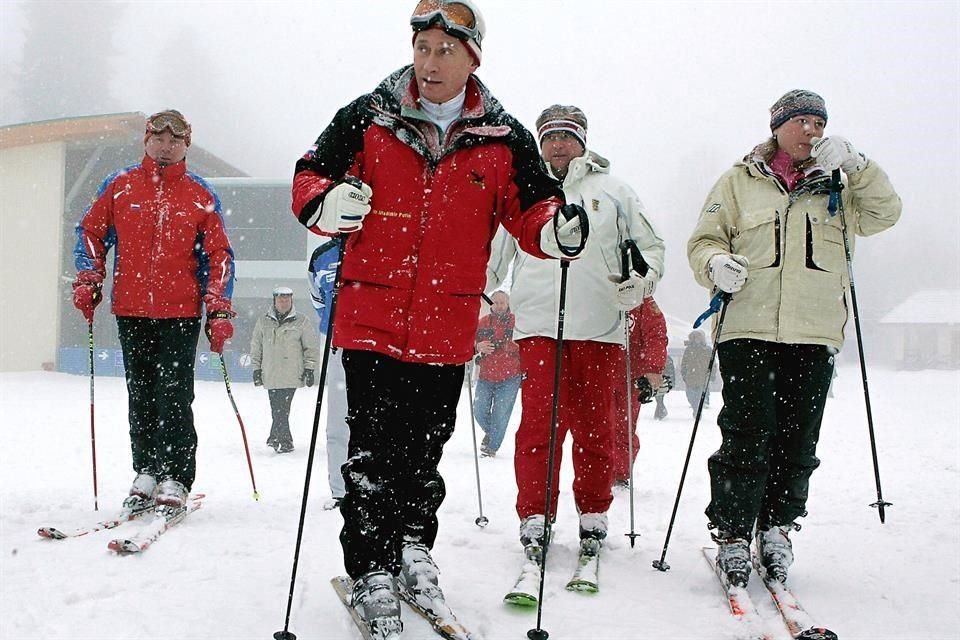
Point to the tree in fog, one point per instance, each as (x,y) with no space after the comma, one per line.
(66,65)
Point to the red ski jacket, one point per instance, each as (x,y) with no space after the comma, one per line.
(172,252)
(413,275)
(504,361)
(648,339)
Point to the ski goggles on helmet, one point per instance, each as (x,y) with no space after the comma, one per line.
(455,18)
(172,120)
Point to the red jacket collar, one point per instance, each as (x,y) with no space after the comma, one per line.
(166,172)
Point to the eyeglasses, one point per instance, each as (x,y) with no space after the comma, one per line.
(456,18)
(179,127)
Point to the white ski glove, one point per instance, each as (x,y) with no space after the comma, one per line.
(631,292)
(568,235)
(728,272)
(343,208)
(837,153)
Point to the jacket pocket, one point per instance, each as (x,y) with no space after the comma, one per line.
(825,247)
(758,238)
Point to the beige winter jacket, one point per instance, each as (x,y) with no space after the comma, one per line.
(797,277)
(282,350)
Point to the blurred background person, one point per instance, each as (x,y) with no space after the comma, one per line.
(499,376)
(283,352)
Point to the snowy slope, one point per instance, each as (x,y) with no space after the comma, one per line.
(225,572)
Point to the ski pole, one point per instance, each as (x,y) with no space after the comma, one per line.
(539,633)
(93,435)
(835,203)
(243,432)
(285,633)
(628,249)
(721,300)
(482,520)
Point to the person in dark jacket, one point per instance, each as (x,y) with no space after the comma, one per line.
(419,174)
(172,258)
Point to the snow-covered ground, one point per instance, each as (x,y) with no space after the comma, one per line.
(225,571)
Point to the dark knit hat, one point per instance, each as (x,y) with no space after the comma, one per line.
(566,118)
(794,103)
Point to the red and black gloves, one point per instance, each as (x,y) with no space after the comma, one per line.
(87,293)
(219,328)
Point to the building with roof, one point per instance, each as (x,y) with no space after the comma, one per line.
(923,331)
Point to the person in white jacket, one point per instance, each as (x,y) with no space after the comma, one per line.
(593,335)
(283,352)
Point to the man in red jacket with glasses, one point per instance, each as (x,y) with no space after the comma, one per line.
(172,258)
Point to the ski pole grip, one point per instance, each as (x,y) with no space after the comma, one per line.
(836,185)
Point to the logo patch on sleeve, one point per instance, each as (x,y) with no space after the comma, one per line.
(713,208)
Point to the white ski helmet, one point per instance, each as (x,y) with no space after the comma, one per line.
(282,291)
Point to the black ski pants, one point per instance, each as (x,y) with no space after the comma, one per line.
(280,401)
(158,360)
(400,416)
(773,400)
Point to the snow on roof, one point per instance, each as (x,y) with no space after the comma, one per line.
(940,306)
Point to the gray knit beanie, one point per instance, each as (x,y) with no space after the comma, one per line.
(794,103)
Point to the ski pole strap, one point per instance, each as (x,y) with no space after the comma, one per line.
(715,303)
(836,186)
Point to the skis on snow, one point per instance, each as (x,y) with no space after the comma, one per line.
(441,618)
(150,532)
(443,622)
(526,589)
(799,623)
(125,515)
(54,533)
(795,618)
(738,599)
(586,576)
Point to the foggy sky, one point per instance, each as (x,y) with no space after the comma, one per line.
(675,92)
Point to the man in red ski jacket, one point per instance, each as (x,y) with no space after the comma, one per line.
(648,357)
(172,258)
(500,375)
(421,172)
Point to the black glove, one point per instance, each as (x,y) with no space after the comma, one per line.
(307,377)
(646,391)
(258,377)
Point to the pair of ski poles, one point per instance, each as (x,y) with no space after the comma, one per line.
(93,434)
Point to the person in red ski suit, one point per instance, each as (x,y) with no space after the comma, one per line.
(172,258)
(648,356)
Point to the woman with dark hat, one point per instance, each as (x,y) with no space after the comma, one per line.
(766,237)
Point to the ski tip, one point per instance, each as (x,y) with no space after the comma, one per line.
(520,599)
(50,533)
(582,586)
